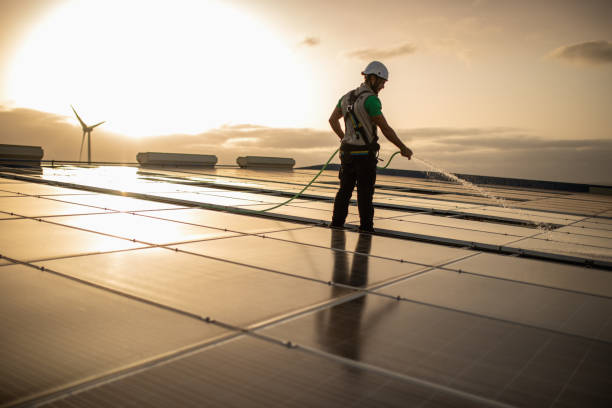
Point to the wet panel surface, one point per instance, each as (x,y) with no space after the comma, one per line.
(207,199)
(40,189)
(528,216)
(576,239)
(9,181)
(253,373)
(255,197)
(582,230)
(26,240)
(40,207)
(116,203)
(470,225)
(605,219)
(485,357)
(329,206)
(570,313)
(142,228)
(8,216)
(570,277)
(422,204)
(224,220)
(399,249)
(594,224)
(322,264)
(56,331)
(311,213)
(466,199)
(564,248)
(570,205)
(224,291)
(444,232)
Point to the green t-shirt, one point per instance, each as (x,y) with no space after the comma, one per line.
(372,105)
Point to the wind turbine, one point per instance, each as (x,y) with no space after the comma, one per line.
(86,131)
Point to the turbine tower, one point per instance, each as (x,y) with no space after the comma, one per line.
(86,131)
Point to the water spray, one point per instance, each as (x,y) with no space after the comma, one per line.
(545,228)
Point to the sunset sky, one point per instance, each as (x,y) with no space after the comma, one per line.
(500,88)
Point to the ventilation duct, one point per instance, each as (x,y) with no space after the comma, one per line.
(265,162)
(176,159)
(20,155)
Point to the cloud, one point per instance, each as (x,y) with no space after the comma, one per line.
(453,47)
(445,132)
(310,42)
(590,53)
(494,140)
(510,152)
(382,53)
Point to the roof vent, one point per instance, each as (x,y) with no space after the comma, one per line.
(265,162)
(18,155)
(176,159)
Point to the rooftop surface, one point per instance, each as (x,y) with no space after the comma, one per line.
(128,286)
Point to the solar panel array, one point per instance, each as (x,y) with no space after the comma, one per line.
(169,287)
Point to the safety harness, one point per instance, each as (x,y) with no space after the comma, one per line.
(350,119)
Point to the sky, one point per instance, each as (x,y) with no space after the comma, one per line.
(511,89)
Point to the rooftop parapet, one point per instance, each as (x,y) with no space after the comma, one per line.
(20,155)
(176,159)
(265,162)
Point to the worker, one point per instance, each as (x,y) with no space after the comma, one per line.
(362,112)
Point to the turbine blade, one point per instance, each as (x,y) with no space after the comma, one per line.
(97,124)
(81,151)
(78,117)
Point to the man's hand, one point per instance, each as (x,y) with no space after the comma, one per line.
(406,152)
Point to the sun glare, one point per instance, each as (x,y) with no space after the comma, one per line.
(153,67)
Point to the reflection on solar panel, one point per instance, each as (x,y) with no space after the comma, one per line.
(126,286)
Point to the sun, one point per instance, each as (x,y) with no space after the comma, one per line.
(160,67)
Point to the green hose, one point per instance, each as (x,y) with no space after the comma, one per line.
(315,177)
(307,185)
(389,162)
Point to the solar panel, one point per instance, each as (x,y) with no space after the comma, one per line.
(267,375)
(114,203)
(320,264)
(409,251)
(542,307)
(499,360)
(551,274)
(236,294)
(28,240)
(221,220)
(58,332)
(171,287)
(141,228)
(459,234)
(589,232)
(38,207)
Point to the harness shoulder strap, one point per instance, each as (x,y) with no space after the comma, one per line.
(373,144)
(356,124)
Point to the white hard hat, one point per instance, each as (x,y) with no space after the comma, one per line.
(377,68)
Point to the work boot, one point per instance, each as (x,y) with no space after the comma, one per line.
(366,229)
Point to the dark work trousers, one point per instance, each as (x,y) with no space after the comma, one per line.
(360,171)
